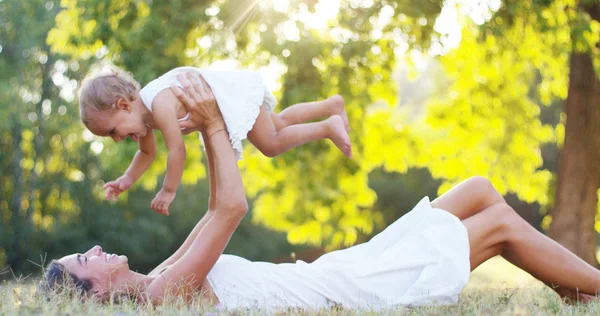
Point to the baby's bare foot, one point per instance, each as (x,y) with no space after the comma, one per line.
(338,134)
(336,106)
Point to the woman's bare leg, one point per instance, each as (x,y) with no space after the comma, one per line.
(498,229)
(308,111)
(494,228)
(272,142)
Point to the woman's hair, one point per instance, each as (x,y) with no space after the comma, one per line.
(58,279)
(100,90)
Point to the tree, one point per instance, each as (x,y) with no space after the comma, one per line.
(576,204)
(570,30)
(530,52)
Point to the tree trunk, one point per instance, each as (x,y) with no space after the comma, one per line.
(575,208)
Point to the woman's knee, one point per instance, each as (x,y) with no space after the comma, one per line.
(484,187)
(482,183)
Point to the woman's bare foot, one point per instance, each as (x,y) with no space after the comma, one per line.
(339,136)
(573,296)
(336,107)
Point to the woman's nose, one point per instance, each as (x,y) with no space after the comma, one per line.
(97,250)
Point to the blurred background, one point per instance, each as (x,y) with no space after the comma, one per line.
(436,91)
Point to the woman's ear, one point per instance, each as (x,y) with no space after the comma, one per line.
(123,104)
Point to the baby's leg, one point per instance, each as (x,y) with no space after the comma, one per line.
(273,142)
(308,111)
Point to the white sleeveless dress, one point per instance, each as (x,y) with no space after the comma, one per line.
(239,95)
(422,258)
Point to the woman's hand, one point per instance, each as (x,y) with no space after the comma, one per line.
(200,102)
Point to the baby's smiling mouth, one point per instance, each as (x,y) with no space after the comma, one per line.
(134,137)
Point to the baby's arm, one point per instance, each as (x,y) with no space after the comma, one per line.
(165,117)
(144,157)
(140,163)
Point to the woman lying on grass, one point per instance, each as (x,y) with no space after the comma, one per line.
(425,257)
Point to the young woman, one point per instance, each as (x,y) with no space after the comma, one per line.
(425,257)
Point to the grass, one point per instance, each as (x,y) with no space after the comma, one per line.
(495,288)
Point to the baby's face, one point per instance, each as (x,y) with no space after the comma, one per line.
(119,123)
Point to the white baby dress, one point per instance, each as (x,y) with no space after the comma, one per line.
(239,95)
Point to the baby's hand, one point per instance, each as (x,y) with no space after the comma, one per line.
(116,187)
(161,202)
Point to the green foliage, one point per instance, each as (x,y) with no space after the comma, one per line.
(51,198)
(328,209)
(504,73)
(488,124)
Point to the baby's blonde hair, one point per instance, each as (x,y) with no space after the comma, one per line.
(100,90)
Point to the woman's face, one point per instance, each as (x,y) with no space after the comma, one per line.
(95,265)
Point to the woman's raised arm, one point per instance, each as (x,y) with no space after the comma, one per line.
(230,206)
(204,99)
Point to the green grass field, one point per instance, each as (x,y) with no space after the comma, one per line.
(495,288)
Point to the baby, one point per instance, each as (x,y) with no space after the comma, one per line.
(113,105)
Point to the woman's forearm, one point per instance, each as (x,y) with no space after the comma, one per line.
(229,191)
(211,172)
